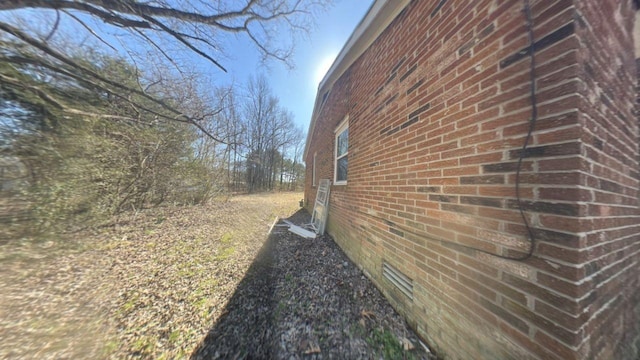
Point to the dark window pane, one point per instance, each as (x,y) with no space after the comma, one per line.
(342,169)
(343,142)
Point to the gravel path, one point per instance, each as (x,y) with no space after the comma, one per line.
(304,299)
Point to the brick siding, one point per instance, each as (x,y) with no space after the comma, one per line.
(438,110)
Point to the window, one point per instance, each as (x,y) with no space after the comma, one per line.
(341,152)
(313,170)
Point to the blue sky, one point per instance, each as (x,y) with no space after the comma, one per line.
(297,88)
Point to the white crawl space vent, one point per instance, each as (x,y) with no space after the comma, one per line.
(400,280)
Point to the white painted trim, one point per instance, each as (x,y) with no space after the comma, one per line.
(357,33)
(302,232)
(315,154)
(344,125)
(380,15)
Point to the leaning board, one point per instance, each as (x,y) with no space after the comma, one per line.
(321,207)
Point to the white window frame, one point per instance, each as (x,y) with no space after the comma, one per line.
(344,125)
(313,170)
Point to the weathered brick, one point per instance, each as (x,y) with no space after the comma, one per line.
(482,201)
(565,239)
(486,179)
(547,150)
(505,315)
(568,337)
(546,41)
(566,209)
(559,349)
(439,108)
(443,198)
(501,167)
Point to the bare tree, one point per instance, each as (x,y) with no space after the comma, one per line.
(234,128)
(258,110)
(166,28)
(295,165)
(269,137)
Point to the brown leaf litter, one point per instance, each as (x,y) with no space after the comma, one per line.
(201,282)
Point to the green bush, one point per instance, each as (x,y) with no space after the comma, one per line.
(84,169)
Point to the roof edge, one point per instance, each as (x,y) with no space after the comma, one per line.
(378,17)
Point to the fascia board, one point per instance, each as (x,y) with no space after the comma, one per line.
(380,15)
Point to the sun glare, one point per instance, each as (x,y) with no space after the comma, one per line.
(322,68)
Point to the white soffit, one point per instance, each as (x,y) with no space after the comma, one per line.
(379,16)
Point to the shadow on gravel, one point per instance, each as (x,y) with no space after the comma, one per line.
(245,330)
(304,299)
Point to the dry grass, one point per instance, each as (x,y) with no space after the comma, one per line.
(150,286)
(199,282)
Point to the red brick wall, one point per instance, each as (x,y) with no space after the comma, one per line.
(439,108)
(610,141)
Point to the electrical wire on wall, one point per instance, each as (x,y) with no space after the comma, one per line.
(523,154)
(525,145)
(532,125)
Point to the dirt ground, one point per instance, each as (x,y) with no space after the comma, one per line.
(201,282)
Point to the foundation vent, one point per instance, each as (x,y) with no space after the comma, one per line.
(400,280)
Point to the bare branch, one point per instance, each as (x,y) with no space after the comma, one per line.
(55,27)
(43,47)
(119,12)
(195,26)
(89,29)
(159,48)
(183,40)
(180,117)
(44,95)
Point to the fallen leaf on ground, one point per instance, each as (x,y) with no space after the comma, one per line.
(313,349)
(367,314)
(407,345)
